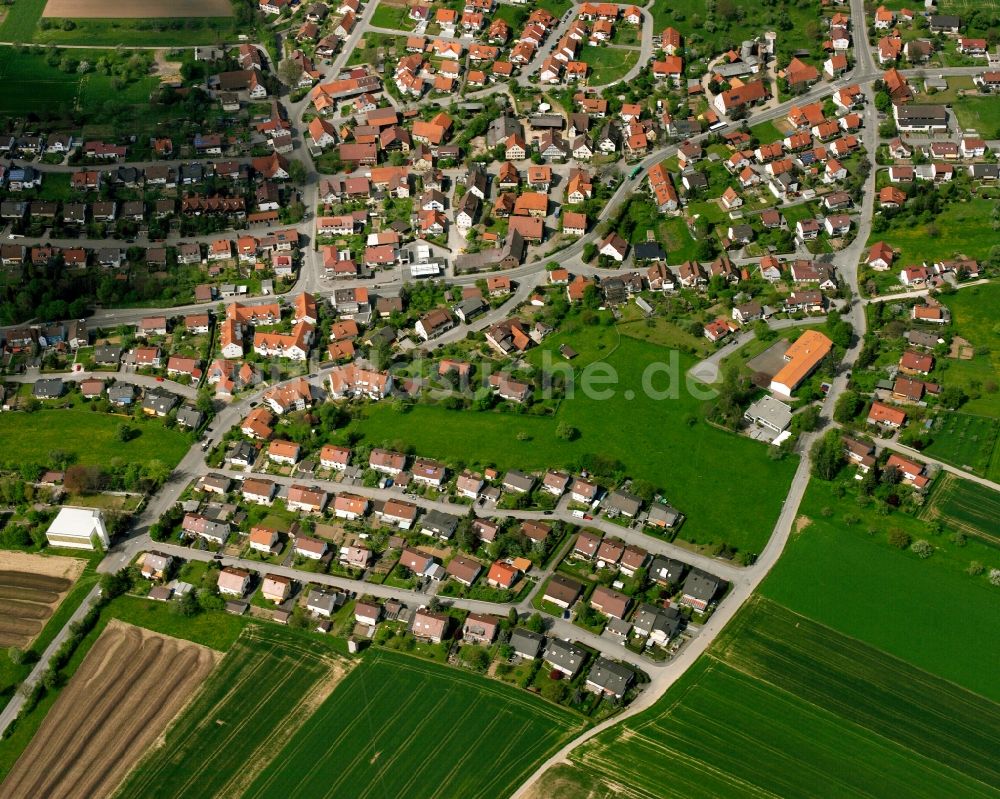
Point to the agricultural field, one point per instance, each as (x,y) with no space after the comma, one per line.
(129,9)
(31,590)
(90,738)
(839,569)
(777,707)
(966,441)
(976,317)
(402,727)
(968,507)
(644,432)
(267,686)
(92,438)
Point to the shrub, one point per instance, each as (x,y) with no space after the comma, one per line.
(899,539)
(922,548)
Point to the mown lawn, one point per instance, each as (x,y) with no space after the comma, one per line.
(92,438)
(660,439)
(841,571)
(783,706)
(236,720)
(608,64)
(402,727)
(963,228)
(981,114)
(393,16)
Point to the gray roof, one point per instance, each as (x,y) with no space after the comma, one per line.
(770,412)
(700,585)
(48,388)
(189,417)
(470,307)
(121,392)
(526,642)
(158,402)
(610,676)
(518,480)
(564,655)
(323,601)
(666,570)
(650,618)
(440,523)
(658,512)
(623,502)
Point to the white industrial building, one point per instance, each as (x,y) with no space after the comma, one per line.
(78,528)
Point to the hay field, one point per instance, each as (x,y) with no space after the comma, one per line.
(131,9)
(127,689)
(31,588)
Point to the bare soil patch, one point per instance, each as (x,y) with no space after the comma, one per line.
(802,523)
(49,565)
(29,597)
(130,9)
(126,691)
(961,349)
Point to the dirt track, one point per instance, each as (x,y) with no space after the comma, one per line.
(126,691)
(130,9)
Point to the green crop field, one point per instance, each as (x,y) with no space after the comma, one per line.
(966,506)
(91,437)
(401,727)
(262,692)
(783,706)
(659,440)
(966,441)
(34,86)
(840,570)
(976,317)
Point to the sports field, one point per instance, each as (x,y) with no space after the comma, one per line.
(264,689)
(130,9)
(966,506)
(657,439)
(783,706)
(401,727)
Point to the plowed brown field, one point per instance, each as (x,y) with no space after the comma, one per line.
(31,588)
(126,691)
(132,9)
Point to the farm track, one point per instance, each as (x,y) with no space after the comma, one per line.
(116,704)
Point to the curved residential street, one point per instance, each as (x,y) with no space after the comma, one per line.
(529,276)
